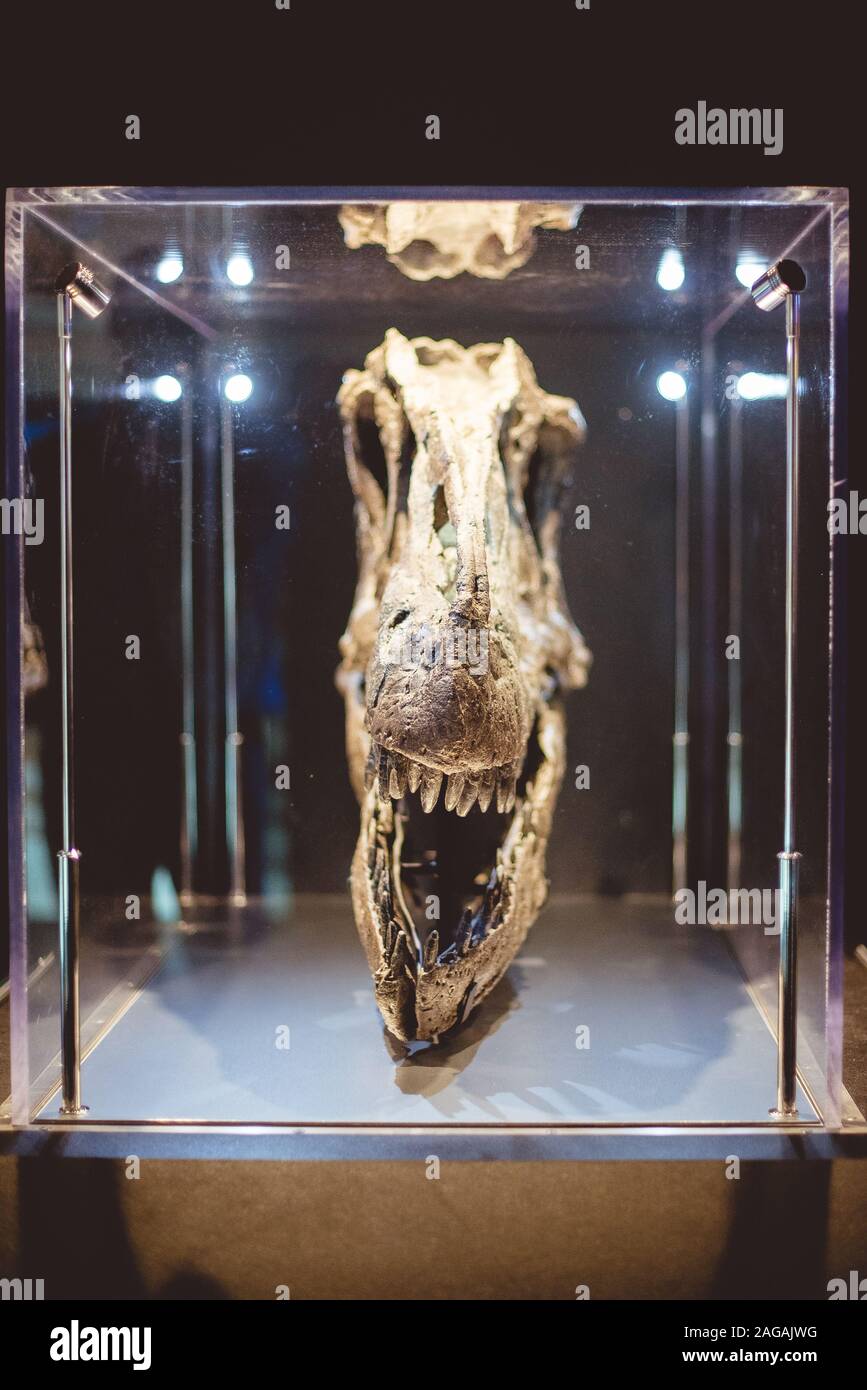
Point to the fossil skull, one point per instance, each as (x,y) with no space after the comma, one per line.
(442,239)
(457,648)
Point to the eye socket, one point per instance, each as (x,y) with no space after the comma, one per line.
(372,452)
(505,438)
(540,493)
(440,510)
(371,456)
(407,454)
(399,618)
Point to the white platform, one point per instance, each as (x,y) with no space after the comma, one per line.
(674,1035)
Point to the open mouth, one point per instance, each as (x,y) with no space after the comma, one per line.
(444,853)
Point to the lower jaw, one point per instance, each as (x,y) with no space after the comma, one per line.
(424,989)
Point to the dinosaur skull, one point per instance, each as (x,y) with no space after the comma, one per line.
(442,239)
(456,651)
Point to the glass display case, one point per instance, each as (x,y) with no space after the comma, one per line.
(246,428)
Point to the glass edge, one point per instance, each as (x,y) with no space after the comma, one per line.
(14,587)
(105,195)
(837,666)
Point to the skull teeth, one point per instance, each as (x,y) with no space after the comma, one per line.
(371,766)
(487,784)
(377,765)
(454,789)
(468,797)
(507,779)
(431,950)
(431,781)
(396,775)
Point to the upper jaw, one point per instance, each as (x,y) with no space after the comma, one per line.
(397,774)
(450,698)
(451,721)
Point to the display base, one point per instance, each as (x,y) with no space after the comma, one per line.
(611,1015)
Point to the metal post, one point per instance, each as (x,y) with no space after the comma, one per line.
(735,736)
(681,648)
(74,285)
(789,858)
(189,802)
(784,282)
(69,857)
(234,738)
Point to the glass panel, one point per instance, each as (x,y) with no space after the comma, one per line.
(750,357)
(214,523)
(127,470)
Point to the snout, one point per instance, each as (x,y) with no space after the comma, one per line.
(448,695)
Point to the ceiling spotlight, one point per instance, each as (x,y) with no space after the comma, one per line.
(167,388)
(170,268)
(237,388)
(239,268)
(671,274)
(671,385)
(777,284)
(761,386)
(79,285)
